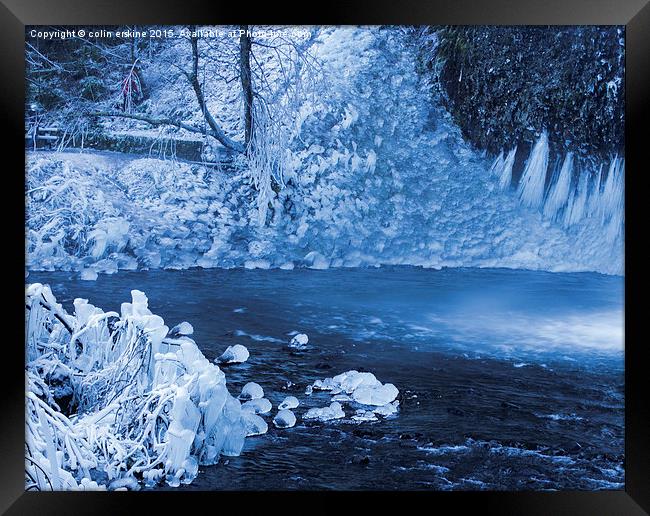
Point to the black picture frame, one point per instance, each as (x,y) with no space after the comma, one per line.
(16,14)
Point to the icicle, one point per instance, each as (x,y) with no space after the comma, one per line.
(612,195)
(612,209)
(595,198)
(495,169)
(531,186)
(505,175)
(577,204)
(559,190)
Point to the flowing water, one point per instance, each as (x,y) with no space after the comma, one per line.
(508,379)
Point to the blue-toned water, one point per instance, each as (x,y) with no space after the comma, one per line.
(508,379)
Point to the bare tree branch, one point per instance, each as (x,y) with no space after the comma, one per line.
(156,122)
(193,77)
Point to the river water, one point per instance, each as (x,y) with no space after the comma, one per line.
(508,379)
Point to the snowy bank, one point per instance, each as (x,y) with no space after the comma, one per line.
(114,402)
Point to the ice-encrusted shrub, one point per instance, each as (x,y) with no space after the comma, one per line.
(113,402)
(68,215)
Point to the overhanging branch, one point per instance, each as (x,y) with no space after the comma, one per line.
(219,135)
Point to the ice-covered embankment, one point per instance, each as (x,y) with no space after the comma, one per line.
(114,402)
(376,172)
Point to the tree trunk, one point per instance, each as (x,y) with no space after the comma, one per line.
(246,83)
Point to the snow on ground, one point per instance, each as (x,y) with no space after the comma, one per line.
(375,173)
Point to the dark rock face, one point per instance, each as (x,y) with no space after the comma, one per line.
(504,85)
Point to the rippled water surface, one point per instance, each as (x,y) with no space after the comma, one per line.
(508,379)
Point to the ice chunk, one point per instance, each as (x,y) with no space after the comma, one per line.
(251,391)
(234,355)
(183,328)
(361,416)
(299,341)
(334,411)
(375,395)
(388,409)
(254,424)
(284,419)
(88,275)
(289,403)
(364,388)
(315,260)
(257,406)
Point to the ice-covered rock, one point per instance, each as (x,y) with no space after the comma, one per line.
(299,341)
(236,354)
(388,409)
(251,391)
(364,388)
(88,275)
(254,424)
(284,419)
(289,402)
(379,396)
(183,328)
(334,411)
(362,416)
(315,260)
(257,406)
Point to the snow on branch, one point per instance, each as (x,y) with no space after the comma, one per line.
(218,134)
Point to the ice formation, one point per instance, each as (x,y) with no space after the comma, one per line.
(251,391)
(357,389)
(363,387)
(289,402)
(236,354)
(183,328)
(533,179)
(299,341)
(284,419)
(258,406)
(334,411)
(254,424)
(367,179)
(112,401)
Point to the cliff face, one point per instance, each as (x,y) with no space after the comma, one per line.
(504,85)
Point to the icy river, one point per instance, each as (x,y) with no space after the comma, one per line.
(508,379)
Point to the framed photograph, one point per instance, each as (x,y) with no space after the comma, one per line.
(325,260)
